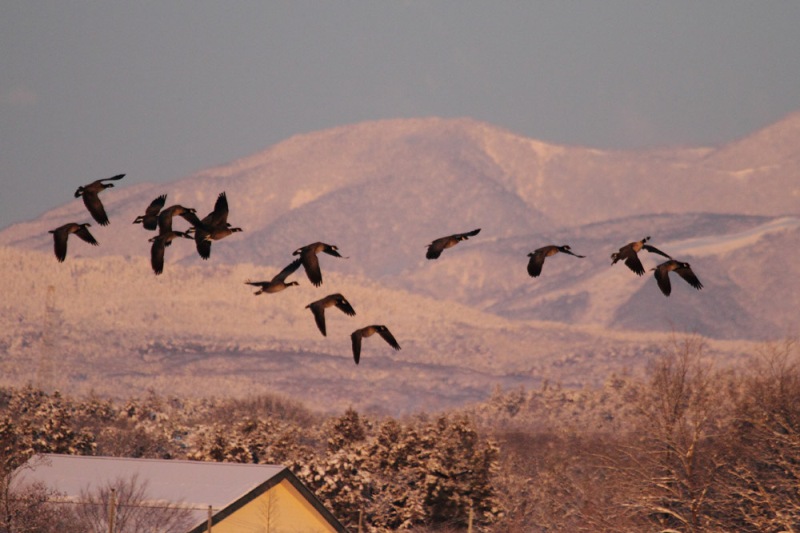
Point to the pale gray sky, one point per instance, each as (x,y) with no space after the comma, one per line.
(159,90)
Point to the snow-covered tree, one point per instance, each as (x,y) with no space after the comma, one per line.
(398,475)
(32,421)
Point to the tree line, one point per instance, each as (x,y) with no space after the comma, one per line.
(688,445)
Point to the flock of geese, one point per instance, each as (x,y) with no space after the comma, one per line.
(215,226)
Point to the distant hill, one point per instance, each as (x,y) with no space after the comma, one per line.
(382,191)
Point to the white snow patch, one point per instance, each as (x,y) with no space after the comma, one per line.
(303,196)
(722,244)
(745,173)
(545,151)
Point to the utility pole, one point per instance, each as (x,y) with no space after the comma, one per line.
(112,507)
(50,326)
(210,519)
(469,519)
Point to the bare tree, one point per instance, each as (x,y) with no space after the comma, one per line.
(762,488)
(31,510)
(133,511)
(666,469)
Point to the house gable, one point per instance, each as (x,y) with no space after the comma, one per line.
(234,491)
(282,503)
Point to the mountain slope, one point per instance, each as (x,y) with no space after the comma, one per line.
(99,325)
(382,191)
(562,186)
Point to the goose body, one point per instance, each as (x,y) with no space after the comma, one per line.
(359,334)
(204,237)
(91,199)
(160,242)
(629,254)
(439,245)
(277,283)
(216,234)
(62,233)
(538,256)
(308,256)
(684,270)
(318,309)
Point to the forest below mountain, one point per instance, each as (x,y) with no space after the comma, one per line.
(689,446)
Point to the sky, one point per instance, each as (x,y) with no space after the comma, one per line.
(161,90)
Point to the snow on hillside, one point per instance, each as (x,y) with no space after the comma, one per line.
(109,325)
(727,243)
(558,185)
(382,191)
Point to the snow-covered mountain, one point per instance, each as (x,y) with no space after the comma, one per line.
(382,191)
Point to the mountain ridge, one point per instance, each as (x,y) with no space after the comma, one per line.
(382,191)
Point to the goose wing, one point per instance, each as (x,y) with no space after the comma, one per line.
(150,219)
(570,252)
(113,178)
(344,306)
(219,217)
(654,250)
(311,264)
(92,202)
(288,270)
(388,337)
(662,278)
(60,236)
(83,233)
(157,255)
(192,219)
(436,248)
(687,274)
(536,262)
(355,337)
(318,310)
(202,243)
(634,263)
(464,236)
(156,206)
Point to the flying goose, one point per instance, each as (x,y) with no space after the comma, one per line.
(91,199)
(150,218)
(318,309)
(680,268)
(213,227)
(538,256)
(381,330)
(61,234)
(436,248)
(628,253)
(278,283)
(160,242)
(204,236)
(187,213)
(308,255)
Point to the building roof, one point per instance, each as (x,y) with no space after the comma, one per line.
(194,484)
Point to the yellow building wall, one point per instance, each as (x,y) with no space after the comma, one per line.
(279,510)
